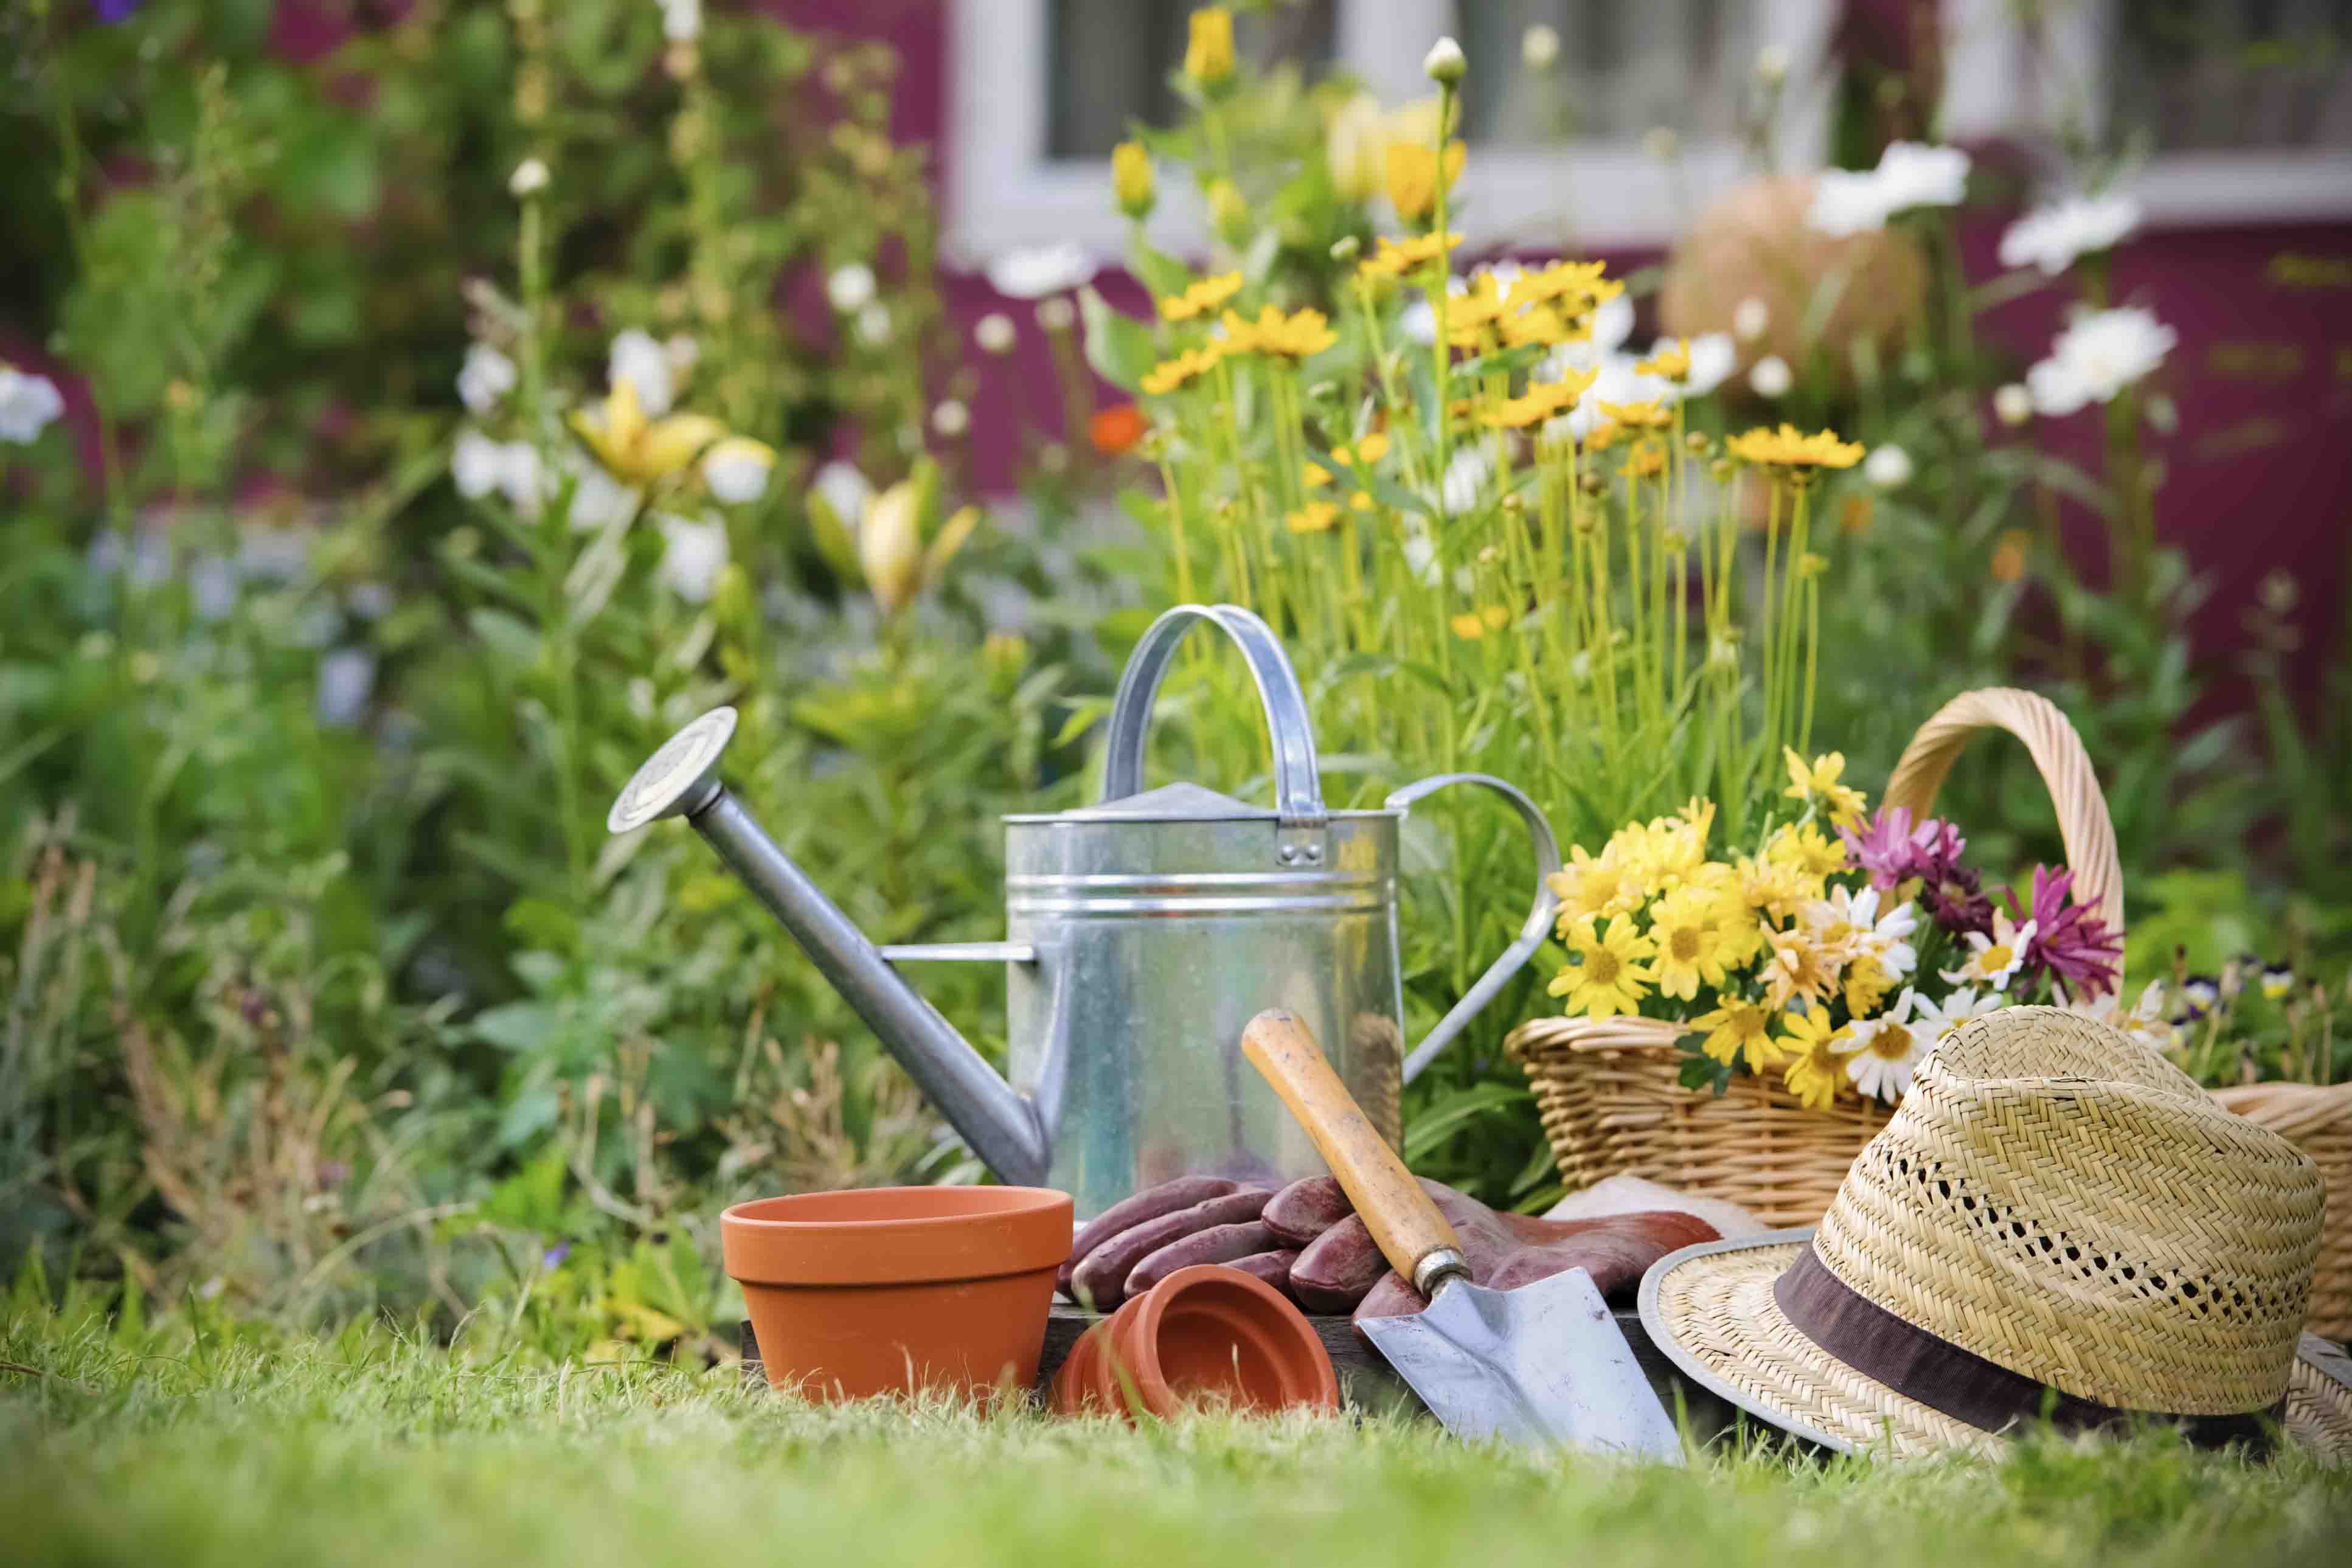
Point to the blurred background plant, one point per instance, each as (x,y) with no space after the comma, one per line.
(414,413)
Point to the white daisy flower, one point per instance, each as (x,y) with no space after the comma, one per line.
(1909,174)
(1034,273)
(737,469)
(28,403)
(1882,1053)
(692,555)
(476,464)
(2051,238)
(636,358)
(1993,960)
(487,376)
(1938,1019)
(1888,466)
(1713,358)
(1770,377)
(850,287)
(2144,1020)
(2098,354)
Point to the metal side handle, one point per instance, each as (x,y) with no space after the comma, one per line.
(1532,933)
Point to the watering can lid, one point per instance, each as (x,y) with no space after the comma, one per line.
(1168,802)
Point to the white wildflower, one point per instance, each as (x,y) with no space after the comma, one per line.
(692,553)
(1749,319)
(850,287)
(1032,274)
(487,376)
(873,325)
(1056,314)
(1993,961)
(2098,354)
(1888,466)
(681,20)
(737,469)
(476,464)
(1539,47)
(995,333)
(598,499)
(1466,478)
(1773,65)
(2012,404)
(1909,174)
(1770,377)
(1713,357)
(1938,1019)
(529,179)
(950,419)
(1421,553)
(638,359)
(2051,238)
(28,403)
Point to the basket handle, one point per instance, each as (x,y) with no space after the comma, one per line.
(2083,825)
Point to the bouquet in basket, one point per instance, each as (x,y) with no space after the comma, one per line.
(1835,952)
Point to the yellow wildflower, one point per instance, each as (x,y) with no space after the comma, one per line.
(1130,178)
(1412,169)
(1799,969)
(1297,335)
(637,451)
(1472,625)
(1775,888)
(1578,280)
(1817,786)
(1814,1077)
(1610,975)
(1789,447)
(1686,925)
(1536,324)
(1394,258)
(1313,518)
(1805,847)
(1738,1028)
(1673,362)
(1370,449)
(1209,52)
(1360,501)
(1202,297)
(1590,886)
(1314,474)
(1168,374)
(1603,435)
(1650,415)
(1867,982)
(1647,460)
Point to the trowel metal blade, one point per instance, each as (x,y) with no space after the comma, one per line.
(1542,1364)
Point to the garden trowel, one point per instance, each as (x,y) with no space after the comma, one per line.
(1542,1364)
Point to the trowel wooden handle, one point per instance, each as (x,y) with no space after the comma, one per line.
(1412,1236)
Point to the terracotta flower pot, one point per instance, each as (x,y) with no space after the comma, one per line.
(1207,1332)
(892,1290)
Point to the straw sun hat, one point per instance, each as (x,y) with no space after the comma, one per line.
(2055,1217)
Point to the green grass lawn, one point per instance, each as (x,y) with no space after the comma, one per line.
(241,1444)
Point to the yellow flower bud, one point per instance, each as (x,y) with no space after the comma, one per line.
(1209,55)
(1130,179)
(890,546)
(1229,211)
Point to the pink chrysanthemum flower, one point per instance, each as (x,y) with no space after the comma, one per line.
(1895,850)
(2071,945)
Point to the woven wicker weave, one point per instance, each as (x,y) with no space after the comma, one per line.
(1609,1091)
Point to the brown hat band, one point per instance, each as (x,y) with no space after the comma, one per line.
(1961,1383)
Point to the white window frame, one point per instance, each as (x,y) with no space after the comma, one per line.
(1984,54)
(1004,192)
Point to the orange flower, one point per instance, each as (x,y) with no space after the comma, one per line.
(1117,429)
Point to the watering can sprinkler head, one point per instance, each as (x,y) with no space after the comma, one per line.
(678,780)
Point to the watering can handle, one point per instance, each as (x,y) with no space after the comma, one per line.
(1297,792)
(1531,934)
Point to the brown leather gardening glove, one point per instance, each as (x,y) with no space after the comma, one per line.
(1341,1270)
(1135,1244)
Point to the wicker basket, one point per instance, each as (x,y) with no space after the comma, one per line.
(1611,1096)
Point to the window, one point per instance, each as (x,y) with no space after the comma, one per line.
(1042,90)
(2243,108)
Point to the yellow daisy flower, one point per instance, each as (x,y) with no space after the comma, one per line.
(1818,784)
(1686,926)
(1867,982)
(1315,517)
(1650,415)
(1202,299)
(1472,625)
(1590,886)
(1673,362)
(1805,845)
(1611,975)
(1775,888)
(1412,176)
(1788,447)
(1297,335)
(1168,374)
(1799,969)
(1737,1028)
(1394,258)
(1820,1066)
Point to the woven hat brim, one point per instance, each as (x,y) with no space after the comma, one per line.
(1710,1310)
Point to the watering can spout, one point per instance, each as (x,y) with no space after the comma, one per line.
(1011,1133)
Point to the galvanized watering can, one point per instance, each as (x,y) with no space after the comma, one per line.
(1142,933)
